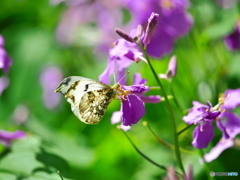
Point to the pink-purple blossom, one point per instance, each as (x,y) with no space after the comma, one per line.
(50,77)
(202,115)
(6,137)
(132,106)
(5,60)
(226,121)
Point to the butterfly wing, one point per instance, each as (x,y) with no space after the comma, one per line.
(88,98)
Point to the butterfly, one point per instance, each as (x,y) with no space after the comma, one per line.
(89,99)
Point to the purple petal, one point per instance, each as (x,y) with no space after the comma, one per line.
(133,109)
(232,99)
(218,149)
(223,129)
(195,113)
(151,99)
(232,124)
(137,79)
(5,60)
(138,89)
(116,117)
(202,135)
(157,48)
(232,41)
(105,76)
(6,136)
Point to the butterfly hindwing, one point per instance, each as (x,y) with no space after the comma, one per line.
(88,98)
(93,105)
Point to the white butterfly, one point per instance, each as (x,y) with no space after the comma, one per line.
(88,98)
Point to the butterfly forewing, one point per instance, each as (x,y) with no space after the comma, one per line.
(88,98)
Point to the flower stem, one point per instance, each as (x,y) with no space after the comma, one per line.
(164,142)
(143,155)
(184,129)
(169,107)
(174,98)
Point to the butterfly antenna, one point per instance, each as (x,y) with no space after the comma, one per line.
(114,78)
(123,76)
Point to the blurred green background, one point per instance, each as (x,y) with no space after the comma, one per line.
(58,141)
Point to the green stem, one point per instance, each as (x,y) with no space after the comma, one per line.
(169,107)
(143,155)
(184,129)
(164,142)
(207,167)
(174,98)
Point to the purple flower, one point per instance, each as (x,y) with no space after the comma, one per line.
(229,124)
(172,68)
(226,121)
(5,60)
(173,22)
(4,81)
(132,107)
(6,137)
(232,41)
(50,78)
(120,57)
(202,115)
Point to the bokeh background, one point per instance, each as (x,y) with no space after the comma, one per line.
(50,40)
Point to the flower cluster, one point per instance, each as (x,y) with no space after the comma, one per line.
(228,122)
(174,21)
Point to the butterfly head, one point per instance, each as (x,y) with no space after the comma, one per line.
(120,93)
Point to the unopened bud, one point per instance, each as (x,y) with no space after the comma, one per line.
(124,35)
(152,22)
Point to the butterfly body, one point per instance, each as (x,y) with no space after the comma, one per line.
(89,99)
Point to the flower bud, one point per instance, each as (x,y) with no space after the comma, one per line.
(152,22)
(124,35)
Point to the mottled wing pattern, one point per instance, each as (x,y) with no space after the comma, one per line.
(93,105)
(88,98)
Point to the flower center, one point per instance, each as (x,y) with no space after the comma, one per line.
(166,4)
